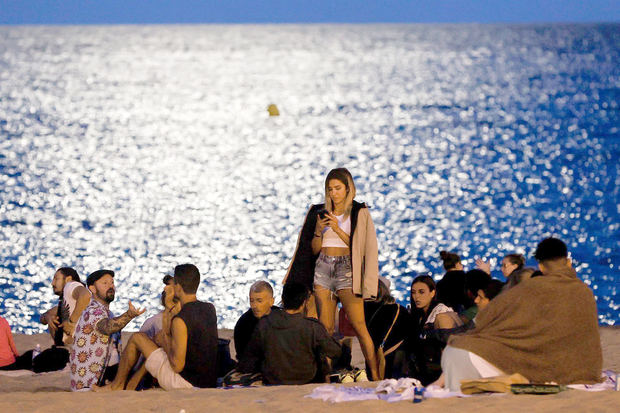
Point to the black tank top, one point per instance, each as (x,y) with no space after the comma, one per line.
(201,356)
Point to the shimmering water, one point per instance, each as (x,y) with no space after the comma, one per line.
(137,148)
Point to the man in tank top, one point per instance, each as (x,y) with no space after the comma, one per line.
(184,354)
(73,299)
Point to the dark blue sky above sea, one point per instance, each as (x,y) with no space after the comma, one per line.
(318,11)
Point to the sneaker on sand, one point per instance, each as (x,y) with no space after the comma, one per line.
(360,375)
(346,377)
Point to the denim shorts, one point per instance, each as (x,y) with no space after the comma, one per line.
(333,273)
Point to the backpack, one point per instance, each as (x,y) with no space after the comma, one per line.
(51,359)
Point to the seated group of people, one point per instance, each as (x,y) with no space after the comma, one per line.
(542,324)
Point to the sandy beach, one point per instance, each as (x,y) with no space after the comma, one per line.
(49,392)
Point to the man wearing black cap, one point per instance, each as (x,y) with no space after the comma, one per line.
(95,352)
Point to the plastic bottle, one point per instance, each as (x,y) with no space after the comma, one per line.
(36,351)
(418,394)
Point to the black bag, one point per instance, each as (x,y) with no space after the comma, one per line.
(52,359)
(225,363)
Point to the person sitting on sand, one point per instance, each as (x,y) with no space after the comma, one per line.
(546,329)
(9,357)
(475,280)
(511,263)
(429,317)
(486,294)
(184,353)
(451,287)
(285,345)
(140,379)
(153,325)
(388,324)
(74,298)
(95,351)
(518,276)
(261,304)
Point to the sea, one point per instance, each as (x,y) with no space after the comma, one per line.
(136,148)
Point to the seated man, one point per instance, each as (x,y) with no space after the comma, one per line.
(140,379)
(184,353)
(286,346)
(545,329)
(153,325)
(95,350)
(73,299)
(261,304)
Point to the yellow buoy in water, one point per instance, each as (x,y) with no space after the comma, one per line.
(273,110)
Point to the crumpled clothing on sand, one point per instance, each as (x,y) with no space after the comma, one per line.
(390,390)
(609,382)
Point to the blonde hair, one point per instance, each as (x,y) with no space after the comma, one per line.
(343,175)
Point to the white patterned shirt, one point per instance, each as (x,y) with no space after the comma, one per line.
(92,351)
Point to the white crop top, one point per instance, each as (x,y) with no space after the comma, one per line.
(331,239)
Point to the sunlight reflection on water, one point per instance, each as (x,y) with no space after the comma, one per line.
(137,148)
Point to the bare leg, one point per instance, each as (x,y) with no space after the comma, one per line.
(354,308)
(138,343)
(311,310)
(441,381)
(327,307)
(136,378)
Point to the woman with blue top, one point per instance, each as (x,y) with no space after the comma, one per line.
(337,258)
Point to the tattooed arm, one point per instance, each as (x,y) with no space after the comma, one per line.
(110,326)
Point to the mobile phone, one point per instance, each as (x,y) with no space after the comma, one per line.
(323,213)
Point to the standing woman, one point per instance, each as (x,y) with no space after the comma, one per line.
(337,258)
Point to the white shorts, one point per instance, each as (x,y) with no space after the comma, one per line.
(158,365)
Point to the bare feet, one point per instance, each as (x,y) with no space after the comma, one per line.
(108,387)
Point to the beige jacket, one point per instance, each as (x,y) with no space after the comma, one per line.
(364,252)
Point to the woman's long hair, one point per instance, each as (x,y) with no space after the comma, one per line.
(516,259)
(418,314)
(450,259)
(344,176)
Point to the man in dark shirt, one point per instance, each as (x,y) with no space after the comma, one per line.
(286,345)
(261,304)
(184,353)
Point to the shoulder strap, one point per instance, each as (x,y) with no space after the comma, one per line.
(375,313)
(390,330)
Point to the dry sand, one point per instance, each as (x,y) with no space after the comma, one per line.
(49,392)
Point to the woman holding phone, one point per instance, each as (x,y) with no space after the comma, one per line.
(337,258)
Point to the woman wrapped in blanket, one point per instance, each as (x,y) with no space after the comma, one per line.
(337,258)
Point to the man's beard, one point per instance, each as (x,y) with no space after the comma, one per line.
(109,295)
